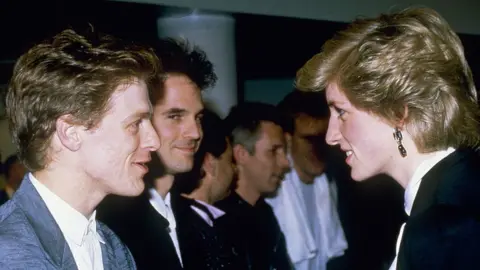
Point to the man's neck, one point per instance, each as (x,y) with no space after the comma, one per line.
(204,192)
(72,187)
(247,193)
(163,184)
(303,176)
(9,190)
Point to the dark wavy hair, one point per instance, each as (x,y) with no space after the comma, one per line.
(178,56)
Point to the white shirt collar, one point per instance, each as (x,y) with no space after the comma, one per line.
(163,206)
(72,223)
(416,180)
(214,211)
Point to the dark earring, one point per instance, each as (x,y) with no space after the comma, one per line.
(397,135)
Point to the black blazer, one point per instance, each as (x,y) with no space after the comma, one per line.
(255,234)
(203,247)
(443,230)
(142,229)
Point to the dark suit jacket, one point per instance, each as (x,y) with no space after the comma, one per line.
(31,239)
(443,231)
(203,247)
(255,234)
(142,229)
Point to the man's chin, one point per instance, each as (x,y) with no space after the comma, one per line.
(131,192)
(180,168)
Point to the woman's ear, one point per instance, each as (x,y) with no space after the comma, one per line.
(402,119)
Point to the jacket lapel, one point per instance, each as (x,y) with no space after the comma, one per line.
(47,230)
(108,255)
(157,228)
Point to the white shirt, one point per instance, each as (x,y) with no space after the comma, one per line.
(412,189)
(308,217)
(214,211)
(79,232)
(164,208)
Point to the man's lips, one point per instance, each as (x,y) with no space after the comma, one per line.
(142,164)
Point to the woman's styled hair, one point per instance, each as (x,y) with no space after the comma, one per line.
(407,66)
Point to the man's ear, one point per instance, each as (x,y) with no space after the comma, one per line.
(288,140)
(209,164)
(68,132)
(240,154)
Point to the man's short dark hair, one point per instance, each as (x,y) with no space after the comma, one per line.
(180,57)
(244,121)
(12,159)
(296,103)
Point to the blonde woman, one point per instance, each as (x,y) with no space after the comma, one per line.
(403,103)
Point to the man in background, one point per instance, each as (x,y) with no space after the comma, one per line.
(306,202)
(14,172)
(201,230)
(259,148)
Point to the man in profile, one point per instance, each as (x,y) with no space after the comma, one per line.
(79,114)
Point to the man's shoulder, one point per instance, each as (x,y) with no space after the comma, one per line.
(19,245)
(13,220)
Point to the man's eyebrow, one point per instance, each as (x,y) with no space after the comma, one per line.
(139,115)
(175,111)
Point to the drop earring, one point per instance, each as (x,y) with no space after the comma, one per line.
(397,135)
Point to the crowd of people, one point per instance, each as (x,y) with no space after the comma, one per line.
(121,165)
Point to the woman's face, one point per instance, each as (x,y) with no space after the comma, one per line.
(366,139)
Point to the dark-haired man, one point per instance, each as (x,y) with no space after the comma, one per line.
(148,224)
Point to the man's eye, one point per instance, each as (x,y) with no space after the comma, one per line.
(174,117)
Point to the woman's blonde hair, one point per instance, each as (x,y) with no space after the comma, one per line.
(407,66)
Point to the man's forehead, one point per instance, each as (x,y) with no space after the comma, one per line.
(188,101)
(271,132)
(309,124)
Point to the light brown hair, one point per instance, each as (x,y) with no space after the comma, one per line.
(407,60)
(74,75)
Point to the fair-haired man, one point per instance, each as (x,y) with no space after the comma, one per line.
(79,115)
